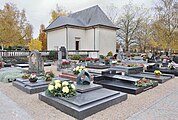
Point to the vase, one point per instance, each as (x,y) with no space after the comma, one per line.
(33,80)
(48,79)
(157,76)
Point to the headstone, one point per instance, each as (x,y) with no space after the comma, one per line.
(36,64)
(84,78)
(63,52)
(59,60)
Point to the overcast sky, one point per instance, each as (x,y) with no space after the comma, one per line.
(38,11)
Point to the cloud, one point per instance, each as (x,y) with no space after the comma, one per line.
(38,11)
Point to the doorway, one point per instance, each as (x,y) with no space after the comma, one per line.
(76,45)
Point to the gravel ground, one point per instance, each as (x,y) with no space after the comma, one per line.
(135,103)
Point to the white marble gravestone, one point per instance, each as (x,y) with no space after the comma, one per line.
(36,64)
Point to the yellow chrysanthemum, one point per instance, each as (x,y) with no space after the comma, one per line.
(65,89)
(65,83)
(57,85)
(50,87)
(73,86)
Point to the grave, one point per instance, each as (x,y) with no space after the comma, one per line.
(97,66)
(128,70)
(36,64)
(27,65)
(165,70)
(90,98)
(113,80)
(163,77)
(33,87)
(137,72)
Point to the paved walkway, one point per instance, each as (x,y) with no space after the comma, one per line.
(162,109)
(9,110)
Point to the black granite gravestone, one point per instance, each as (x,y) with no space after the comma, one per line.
(138,73)
(122,83)
(89,100)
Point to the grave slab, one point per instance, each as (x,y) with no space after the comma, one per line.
(86,103)
(122,83)
(147,75)
(127,70)
(30,87)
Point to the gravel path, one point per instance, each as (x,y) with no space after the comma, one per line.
(39,110)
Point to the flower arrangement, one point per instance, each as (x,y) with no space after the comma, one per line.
(78,69)
(114,62)
(143,82)
(132,65)
(49,75)
(33,77)
(65,63)
(25,76)
(171,66)
(157,72)
(61,89)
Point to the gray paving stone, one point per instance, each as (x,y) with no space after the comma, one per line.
(164,109)
(9,110)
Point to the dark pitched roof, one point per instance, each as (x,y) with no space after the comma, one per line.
(63,20)
(84,18)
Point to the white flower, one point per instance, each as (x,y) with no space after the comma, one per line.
(80,70)
(74,69)
(50,87)
(77,68)
(65,89)
(57,85)
(81,67)
(57,81)
(65,83)
(73,86)
(114,62)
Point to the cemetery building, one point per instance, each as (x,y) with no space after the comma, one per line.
(89,29)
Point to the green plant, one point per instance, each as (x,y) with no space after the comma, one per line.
(110,54)
(75,57)
(143,82)
(102,56)
(53,55)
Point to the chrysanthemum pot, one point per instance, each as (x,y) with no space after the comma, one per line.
(33,79)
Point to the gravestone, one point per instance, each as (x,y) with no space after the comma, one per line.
(36,64)
(59,66)
(63,52)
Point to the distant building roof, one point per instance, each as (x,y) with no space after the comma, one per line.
(86,18)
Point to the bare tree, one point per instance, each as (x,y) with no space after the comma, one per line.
(112,12)
(129,23)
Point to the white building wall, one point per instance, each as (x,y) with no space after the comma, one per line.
(56,38)
(89,41)
(72,34)
(107,41)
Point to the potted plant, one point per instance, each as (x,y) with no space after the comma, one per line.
(157,73)
(143,82)
(78,69)
(65,64)
(114,62)
(49,75)
(25,76)
(33,77)
(107,60)
(61,89)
